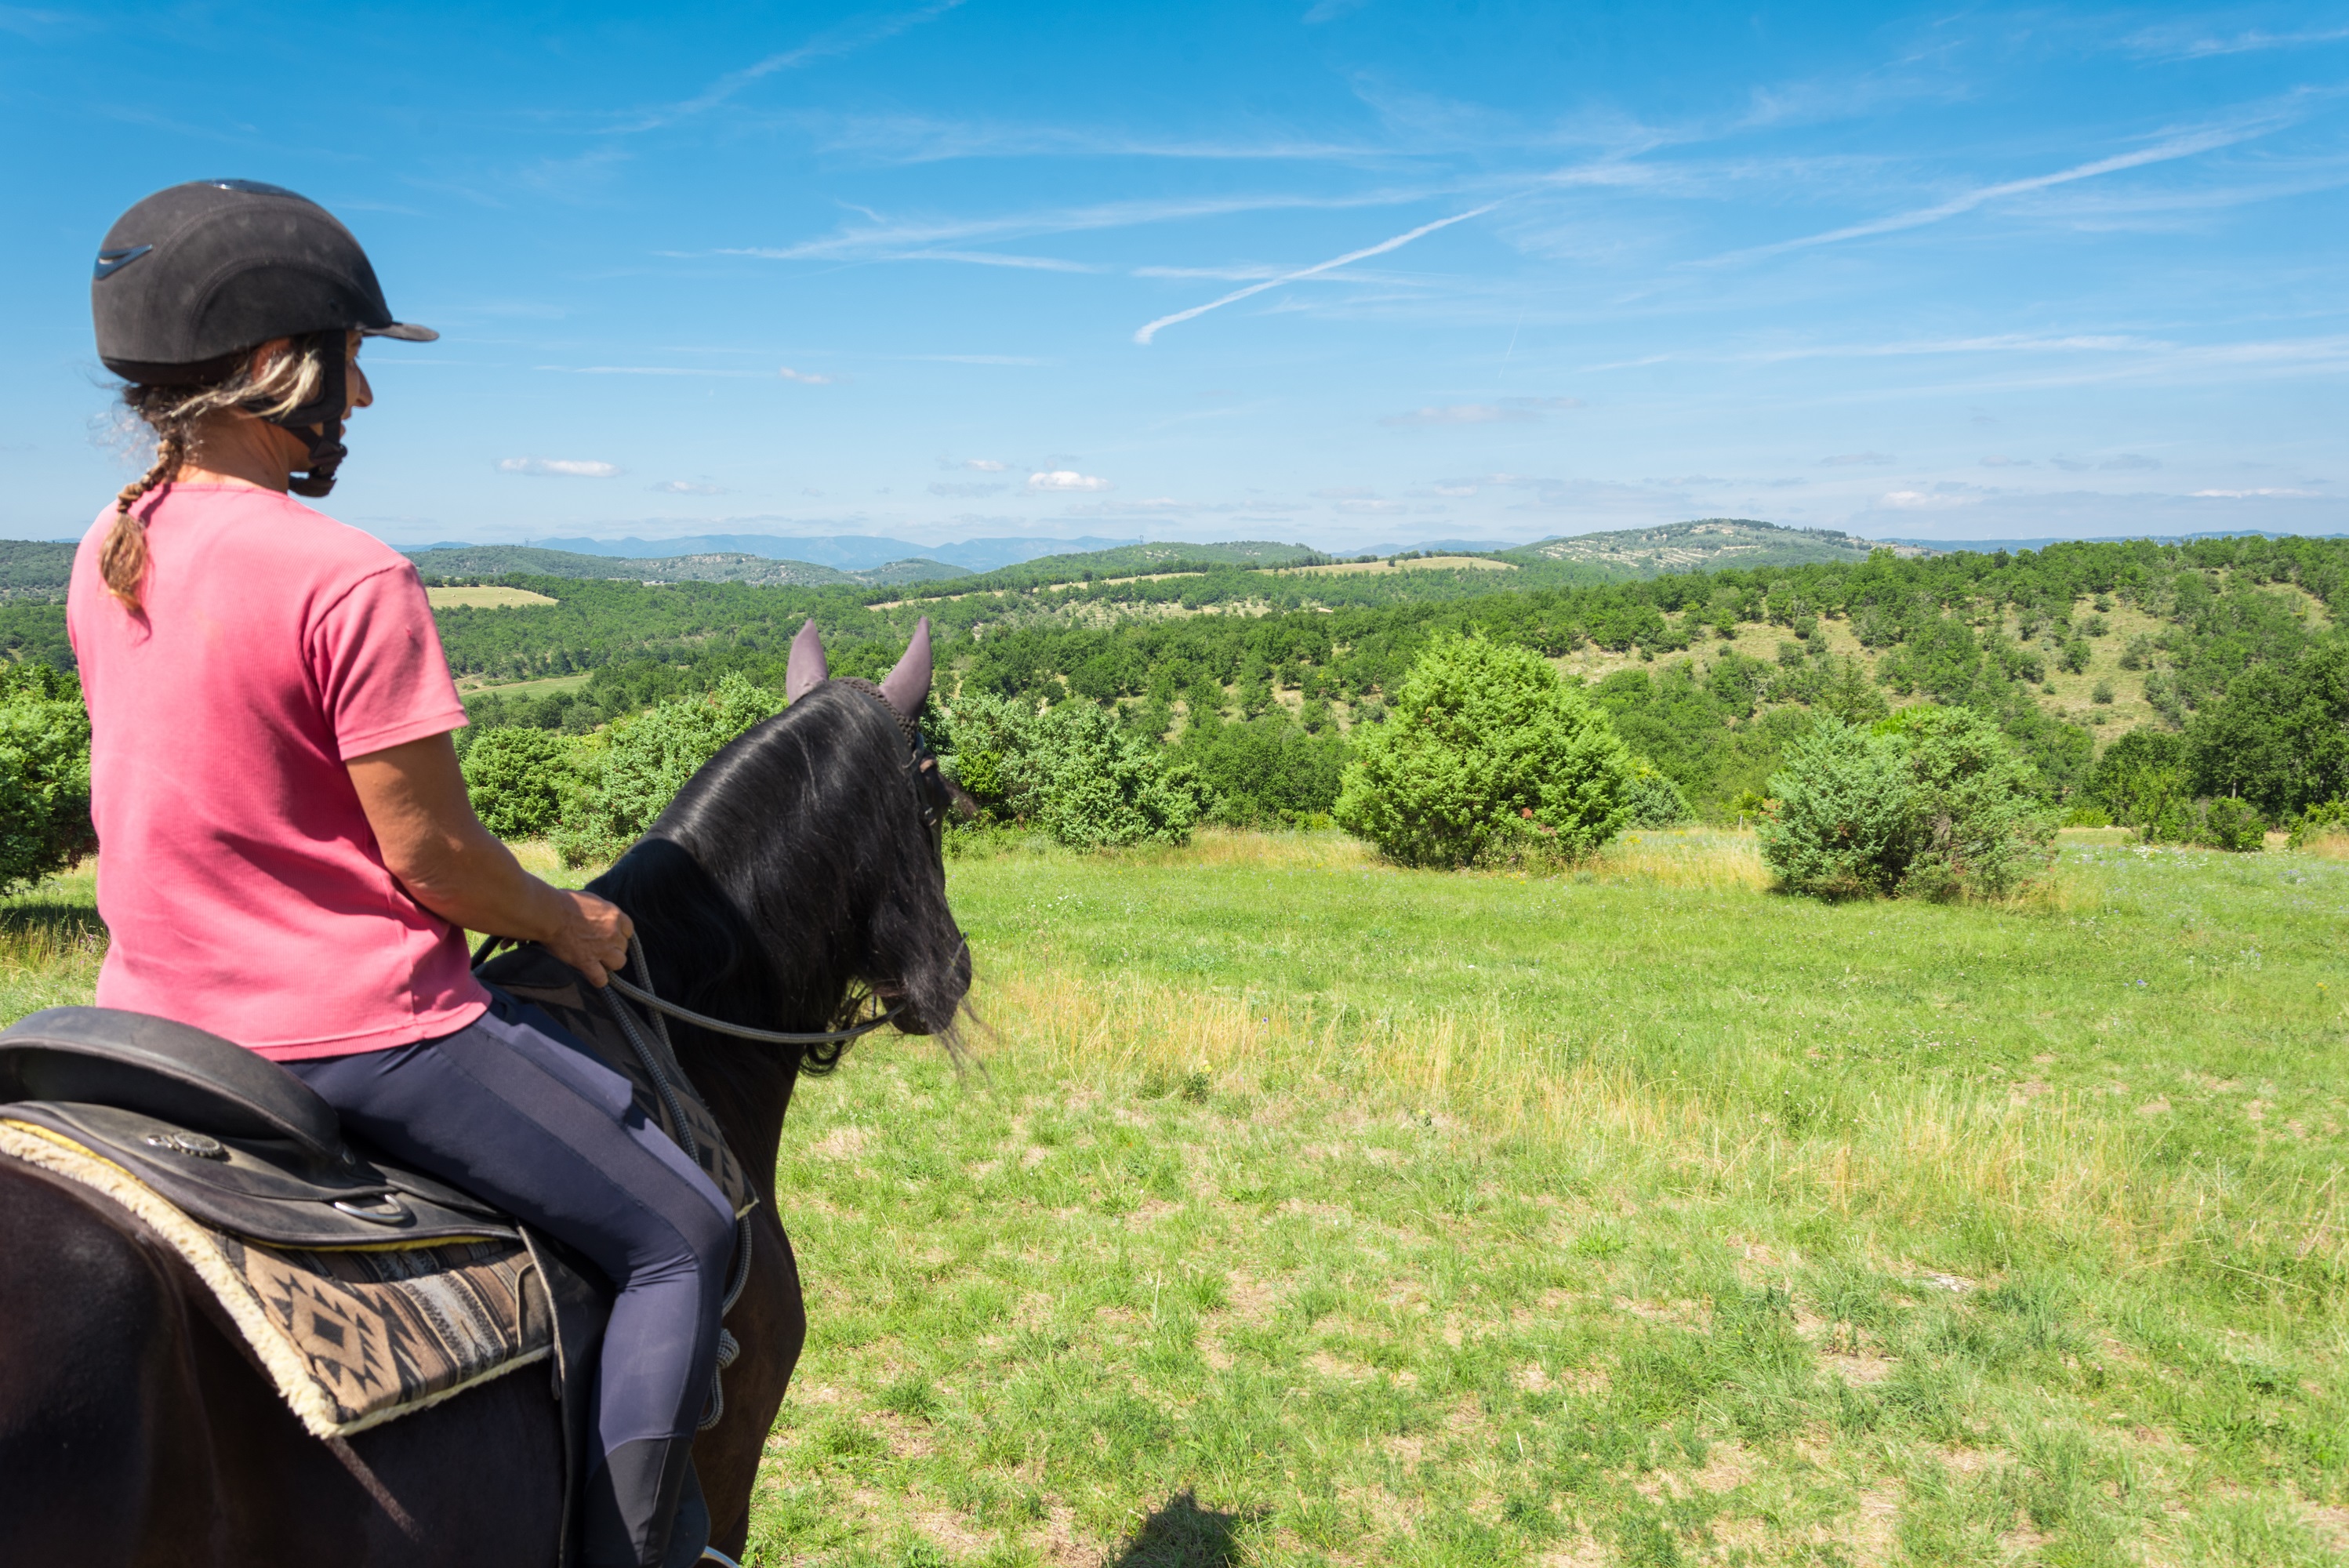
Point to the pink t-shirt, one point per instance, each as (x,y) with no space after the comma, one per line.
(243,889)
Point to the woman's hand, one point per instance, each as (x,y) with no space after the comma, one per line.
(414,797)
(595,935)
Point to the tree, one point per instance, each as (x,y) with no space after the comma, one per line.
(1267,771)
(1485,751)
(1073,771)
(634,766)
(2142,782)
(44,774)
(1846,824)
(518,779)
(1098,785)
(1980,827)
(1931,802)
(2279,738)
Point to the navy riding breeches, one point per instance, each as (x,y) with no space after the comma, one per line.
(512,1110)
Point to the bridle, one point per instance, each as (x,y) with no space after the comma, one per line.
(932,798)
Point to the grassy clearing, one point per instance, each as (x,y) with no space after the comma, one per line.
(1299,1210)
(1309,1211)
(1381,568)
(484,598)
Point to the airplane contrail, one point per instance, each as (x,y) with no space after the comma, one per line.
(1146,333)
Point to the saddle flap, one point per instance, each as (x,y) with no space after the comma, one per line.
(269,1190)
(105,1056)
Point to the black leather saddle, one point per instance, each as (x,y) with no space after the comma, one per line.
(227,1135)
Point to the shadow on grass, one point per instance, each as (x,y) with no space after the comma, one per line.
(1182,1535)
(32,918)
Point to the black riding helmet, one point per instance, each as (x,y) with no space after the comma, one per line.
(195,277)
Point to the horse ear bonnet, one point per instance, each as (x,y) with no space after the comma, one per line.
(808,669)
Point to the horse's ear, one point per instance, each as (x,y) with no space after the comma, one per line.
(807,669)
(909,684)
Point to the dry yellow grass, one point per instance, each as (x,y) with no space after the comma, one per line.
(1424,563)
(2057,1163)
(489,598)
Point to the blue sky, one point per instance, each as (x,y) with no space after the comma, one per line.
(1349,272)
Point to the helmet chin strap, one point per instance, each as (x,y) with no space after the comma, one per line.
(319,423)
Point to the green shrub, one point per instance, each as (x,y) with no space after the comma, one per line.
(1484,752)
(1654,800)
(1073,770)
(630,770)
(2231,824)
(2325,819)
(1933,803)
(1097,784)
(518,778)
(2143,780)
(44,774)
(1981,829)
(1268,771)
(1844,825)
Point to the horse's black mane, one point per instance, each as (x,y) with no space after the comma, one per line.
(793,866)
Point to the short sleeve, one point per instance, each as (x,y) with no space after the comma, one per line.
(375,656)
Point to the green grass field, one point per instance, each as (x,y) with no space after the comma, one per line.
(1293,1209)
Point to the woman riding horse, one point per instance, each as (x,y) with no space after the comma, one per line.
(290,859)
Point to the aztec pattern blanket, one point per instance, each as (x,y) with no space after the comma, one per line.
(354,1338)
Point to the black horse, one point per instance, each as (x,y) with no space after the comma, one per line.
(135,1428)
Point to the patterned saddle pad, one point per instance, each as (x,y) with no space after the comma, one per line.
(355,1336)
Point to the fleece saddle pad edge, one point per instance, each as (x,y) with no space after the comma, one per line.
(290,1366)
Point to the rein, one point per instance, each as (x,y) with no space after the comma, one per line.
(739,1031)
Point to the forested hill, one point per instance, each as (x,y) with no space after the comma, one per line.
(477,563)
(35,568)
(2232,645)
(1710,674)
(1712,543)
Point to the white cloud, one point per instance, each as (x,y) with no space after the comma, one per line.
(807,376)
(567,468)
(985,465)
(1065,480)
(2248,495)
(688,487)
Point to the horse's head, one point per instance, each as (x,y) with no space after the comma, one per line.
(812,861)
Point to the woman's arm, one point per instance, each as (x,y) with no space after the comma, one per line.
(414,797)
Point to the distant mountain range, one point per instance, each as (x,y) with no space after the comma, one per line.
(708,566)
(840,552)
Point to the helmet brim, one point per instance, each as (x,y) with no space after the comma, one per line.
(406,332)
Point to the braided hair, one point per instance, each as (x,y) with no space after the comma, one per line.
(281,383)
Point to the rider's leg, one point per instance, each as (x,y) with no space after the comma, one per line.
(525,1119)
